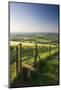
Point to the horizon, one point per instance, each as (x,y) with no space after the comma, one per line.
(34,32)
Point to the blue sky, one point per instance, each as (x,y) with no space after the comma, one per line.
(26,17)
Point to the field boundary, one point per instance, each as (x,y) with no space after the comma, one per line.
(35,56)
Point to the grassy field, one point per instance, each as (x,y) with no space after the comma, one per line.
(46,71)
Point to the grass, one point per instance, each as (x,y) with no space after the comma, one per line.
(47,71)
(12,71)
(46,74)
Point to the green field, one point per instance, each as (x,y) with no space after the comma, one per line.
(46,72)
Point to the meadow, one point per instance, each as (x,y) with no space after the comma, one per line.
(41,48)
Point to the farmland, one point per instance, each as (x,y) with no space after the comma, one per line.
(36,48)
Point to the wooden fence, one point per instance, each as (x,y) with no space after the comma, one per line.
(21,60)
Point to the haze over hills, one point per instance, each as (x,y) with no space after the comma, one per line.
(34,36)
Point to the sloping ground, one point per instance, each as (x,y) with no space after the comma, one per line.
(46,73)
(43,56)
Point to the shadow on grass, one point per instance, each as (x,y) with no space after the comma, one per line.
(45,73)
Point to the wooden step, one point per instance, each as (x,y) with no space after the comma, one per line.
(27,66)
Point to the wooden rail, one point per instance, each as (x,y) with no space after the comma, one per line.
(27,58)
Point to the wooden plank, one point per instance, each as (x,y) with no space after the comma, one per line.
(27,66)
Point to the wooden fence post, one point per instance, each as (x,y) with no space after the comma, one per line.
(36,54)
(20,58)
(17,61)
(49,49)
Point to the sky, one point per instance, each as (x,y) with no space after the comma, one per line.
(27,17)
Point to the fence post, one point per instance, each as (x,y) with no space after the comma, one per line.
(49,49)
(17,61)
(35,54)
(20,58)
